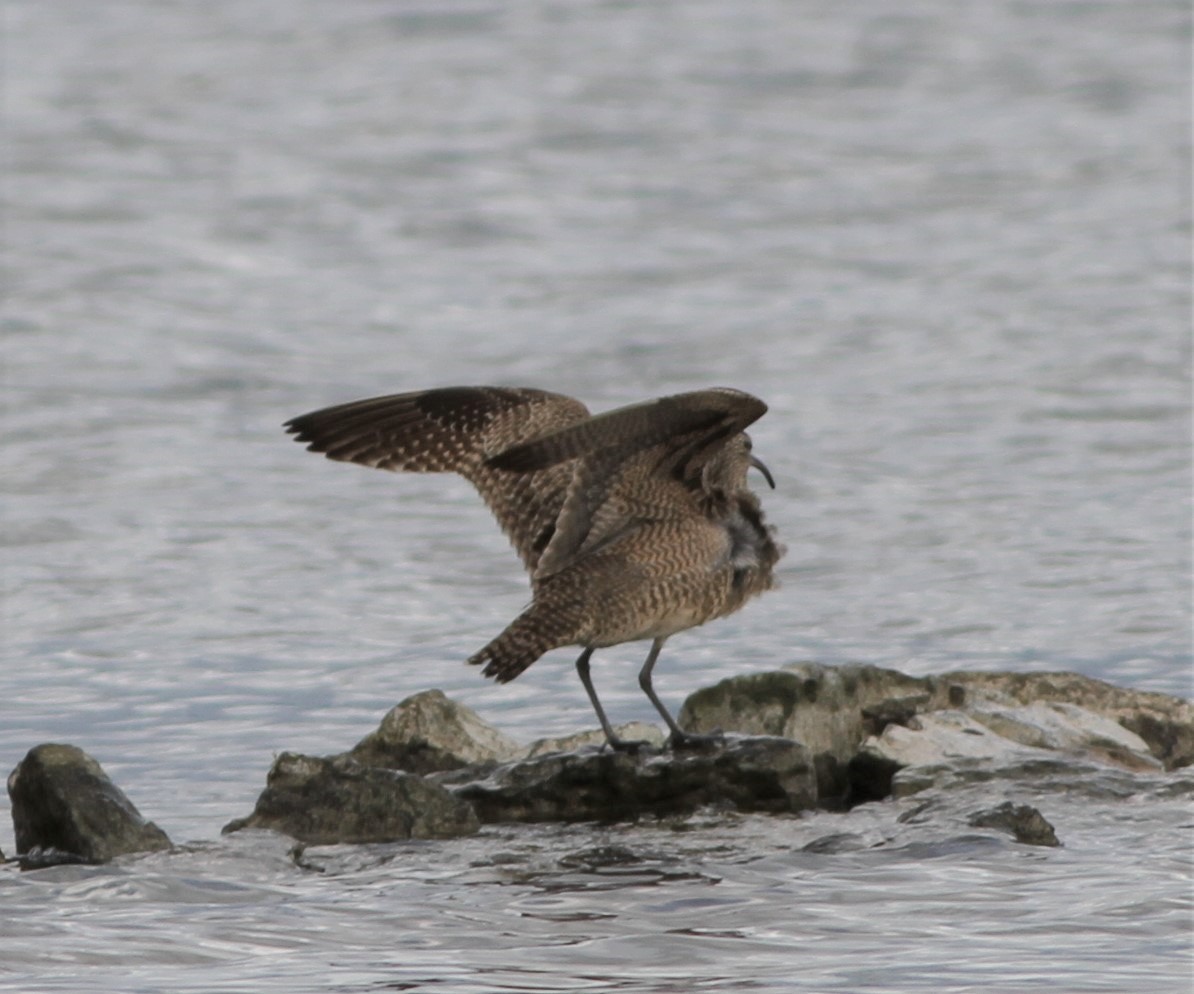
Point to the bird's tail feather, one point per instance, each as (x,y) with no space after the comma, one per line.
(529,636)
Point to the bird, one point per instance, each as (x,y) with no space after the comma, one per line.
(633,524)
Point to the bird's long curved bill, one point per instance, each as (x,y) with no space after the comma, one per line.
(762,468)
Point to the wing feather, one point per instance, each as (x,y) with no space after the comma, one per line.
(457,429)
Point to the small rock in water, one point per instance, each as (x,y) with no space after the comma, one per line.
(330,801)
(1026,824)
(66,810)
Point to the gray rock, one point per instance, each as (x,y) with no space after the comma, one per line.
(1024,822)
(749,774)
(65,809)
(824,736)
(431,733)
(329,801)
(632,731)
(1004,737)
(1164,723)
(427,733)
(864,724)
(829,710)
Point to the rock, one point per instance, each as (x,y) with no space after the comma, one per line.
(427,733)
(66,810)
(998,739)
(1025,823)
(750,774)
(863,723)
(829,710)
(814,735)
(632,731)
(1164,723)
(940,737)
(947,817)
(1067,728)
(329,801)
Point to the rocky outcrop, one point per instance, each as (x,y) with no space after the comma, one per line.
(829,710)
(744,774)
(328,801)
(1164,723)
(989,741)
(804,737)
(66,810)
(868,727)
(335,800)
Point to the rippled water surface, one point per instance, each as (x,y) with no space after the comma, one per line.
(947,243)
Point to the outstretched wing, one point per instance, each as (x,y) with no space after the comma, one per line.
(458,429)
(634,464)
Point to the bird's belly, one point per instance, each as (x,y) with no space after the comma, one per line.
(657,625)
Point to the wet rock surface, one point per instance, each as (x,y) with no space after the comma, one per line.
(1024,822)
(744,774)
(65,809)
(947,751)
(633,731)
(325,801)
(1163,723)
(867,726)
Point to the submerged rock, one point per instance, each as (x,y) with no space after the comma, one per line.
(748,774)
(329,801)
(1025,823)
(66,810)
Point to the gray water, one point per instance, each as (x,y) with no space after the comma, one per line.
(948,243)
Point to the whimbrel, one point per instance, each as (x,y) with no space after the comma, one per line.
(633,524)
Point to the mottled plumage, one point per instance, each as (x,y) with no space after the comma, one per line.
(633,524)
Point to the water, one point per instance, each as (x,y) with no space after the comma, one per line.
(949,246)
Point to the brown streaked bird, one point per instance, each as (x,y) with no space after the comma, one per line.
(633,524)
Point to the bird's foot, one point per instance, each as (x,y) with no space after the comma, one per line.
(632,746)
(690,740)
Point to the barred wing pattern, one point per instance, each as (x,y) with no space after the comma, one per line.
(633,524)
(457,429)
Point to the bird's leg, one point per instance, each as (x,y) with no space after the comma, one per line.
(678,739)
(615,742)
